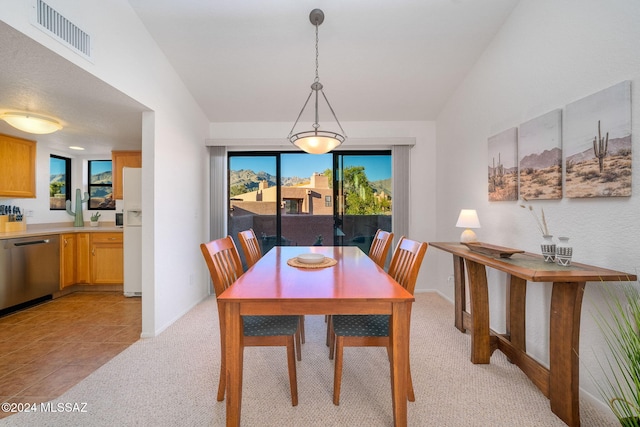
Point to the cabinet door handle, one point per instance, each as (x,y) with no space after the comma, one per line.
(65,242)
(112,238)
(93,251)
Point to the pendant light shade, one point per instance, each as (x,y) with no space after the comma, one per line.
(316,141)
(31,123)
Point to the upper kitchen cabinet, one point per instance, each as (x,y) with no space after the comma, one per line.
(17,167)
(120,159)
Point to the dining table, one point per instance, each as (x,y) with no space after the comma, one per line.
(354,284)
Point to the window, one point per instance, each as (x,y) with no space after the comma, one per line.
(300,199)
(59,182)
(101,185)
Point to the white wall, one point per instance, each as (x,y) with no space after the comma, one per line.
(175,167)
(548,54)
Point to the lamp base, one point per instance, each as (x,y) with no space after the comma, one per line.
(468,236)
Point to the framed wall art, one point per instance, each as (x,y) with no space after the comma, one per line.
(598,144)
(503,166)
(540,157)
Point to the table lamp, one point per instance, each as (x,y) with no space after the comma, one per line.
(468,219)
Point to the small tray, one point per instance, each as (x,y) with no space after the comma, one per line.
(492,250)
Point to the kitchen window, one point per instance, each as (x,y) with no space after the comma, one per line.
(59,182)
(101,185)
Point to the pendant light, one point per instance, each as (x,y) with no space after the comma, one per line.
(316,141)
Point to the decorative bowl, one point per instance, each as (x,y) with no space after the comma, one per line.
(310,258)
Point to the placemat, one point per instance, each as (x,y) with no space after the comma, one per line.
(328,262)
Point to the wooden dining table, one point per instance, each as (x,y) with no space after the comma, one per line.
(354,285)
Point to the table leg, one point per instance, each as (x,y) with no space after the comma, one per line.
(479,294)
(399,336)
(564,344)
(459,288)
(516,306)
(234,358)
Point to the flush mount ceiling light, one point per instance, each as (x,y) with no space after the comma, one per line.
(316,141)
(31,123)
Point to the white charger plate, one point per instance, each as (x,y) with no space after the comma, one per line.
(310,258)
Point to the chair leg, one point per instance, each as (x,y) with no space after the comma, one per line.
(298,344)
(302,329)
(222,383)
(410,394)
(291,363)
(337,376)
(327,320)
(331,337)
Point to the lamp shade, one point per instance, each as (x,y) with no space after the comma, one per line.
(468,219)
(31,123)
(317,143)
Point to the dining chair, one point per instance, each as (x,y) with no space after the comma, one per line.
(225,267)
(252,253)
(380,247)
(373,329)
(378,252)
(250,246)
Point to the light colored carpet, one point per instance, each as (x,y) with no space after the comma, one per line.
(172,380)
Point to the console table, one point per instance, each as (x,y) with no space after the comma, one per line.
(560,382)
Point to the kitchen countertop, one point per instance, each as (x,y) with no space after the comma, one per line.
(61,227)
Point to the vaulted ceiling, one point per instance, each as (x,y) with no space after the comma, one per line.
(253,61)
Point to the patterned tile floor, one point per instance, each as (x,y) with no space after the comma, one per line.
(48,348)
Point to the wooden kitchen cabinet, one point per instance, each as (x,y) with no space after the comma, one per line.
(83,258)
(18,167)
(68,253)
(91,259)
(120,159)
(107,258)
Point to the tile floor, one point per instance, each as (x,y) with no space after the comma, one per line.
(48,348)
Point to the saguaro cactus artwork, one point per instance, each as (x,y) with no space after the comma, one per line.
(79,221)
(600,146)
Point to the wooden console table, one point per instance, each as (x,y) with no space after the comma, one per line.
(560,382)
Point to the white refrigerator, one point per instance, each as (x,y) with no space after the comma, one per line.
(132,230)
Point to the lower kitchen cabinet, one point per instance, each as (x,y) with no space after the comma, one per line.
(83,258)
(91,259)
(67,260)
(107,258)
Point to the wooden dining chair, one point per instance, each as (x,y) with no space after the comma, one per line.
(380,247)
(225,267)
(252,253)
(250,246)
(373,329)
(378,252)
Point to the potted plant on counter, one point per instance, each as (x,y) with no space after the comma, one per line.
(621,329)
(94,219)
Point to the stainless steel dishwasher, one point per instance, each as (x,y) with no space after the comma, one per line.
(29,269)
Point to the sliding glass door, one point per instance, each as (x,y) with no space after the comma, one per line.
(303,199)
(364,195)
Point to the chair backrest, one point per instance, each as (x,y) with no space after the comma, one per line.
(223,261)
(250,246)
(380,247)
(406,261)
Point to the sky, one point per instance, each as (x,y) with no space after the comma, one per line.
(377,167)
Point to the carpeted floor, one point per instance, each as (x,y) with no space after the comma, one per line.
(172,379)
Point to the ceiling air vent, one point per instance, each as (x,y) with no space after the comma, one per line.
(65,30)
